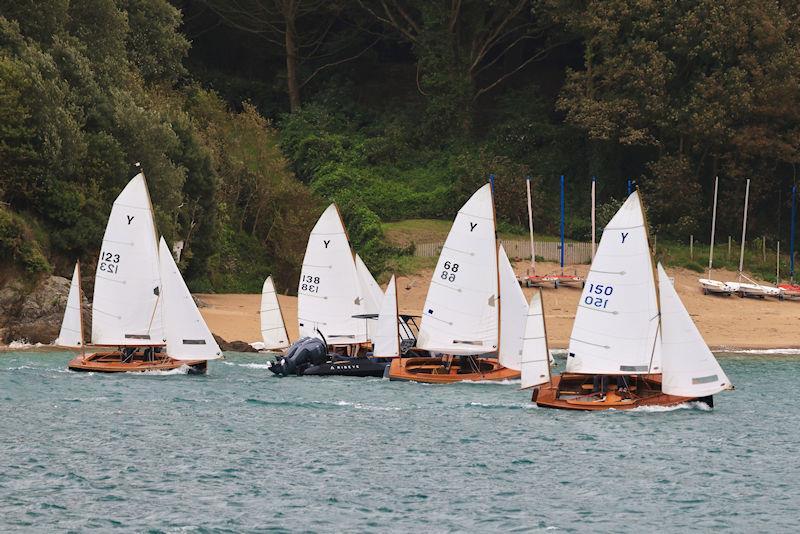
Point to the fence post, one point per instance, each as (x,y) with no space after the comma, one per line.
(729,247)
(764,249)
(691,246)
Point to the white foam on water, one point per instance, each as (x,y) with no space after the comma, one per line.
(254,365)
(760,351)
(360,406)
(23,344)
(505,382)
(258,345)
(515,406)
(182,370)
(694,405)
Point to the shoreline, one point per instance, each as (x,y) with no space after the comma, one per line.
(728,324)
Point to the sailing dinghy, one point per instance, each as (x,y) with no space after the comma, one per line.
(142,310)
(332,302)
(71,333)
(634,330)
(460,333)
(273,328)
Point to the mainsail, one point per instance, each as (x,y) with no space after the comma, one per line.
(71,334)
(513,315)
(461,310)
(126,307)
(386,339)
(616,326)
(535,352)
(689,367)
(273,329)
(329,294)
(187,335)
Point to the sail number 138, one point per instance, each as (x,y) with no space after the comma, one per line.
(597,295)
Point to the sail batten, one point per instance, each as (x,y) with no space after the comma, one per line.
(616,328)
(273,329)
(462,298)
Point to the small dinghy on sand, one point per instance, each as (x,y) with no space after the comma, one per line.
(142,309)
(460,337)
(633,343)
(715,287)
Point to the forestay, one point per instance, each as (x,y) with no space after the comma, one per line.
(616,324)
(329,292)
(513,315)
(535,352)
(689,367)
(71,334)
(386,339)
(370,290)
(126,307)
(273,329)
(188,336)
(460,312)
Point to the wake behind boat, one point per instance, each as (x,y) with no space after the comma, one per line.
(633,343)
(142,309)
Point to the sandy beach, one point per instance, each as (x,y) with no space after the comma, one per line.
(725,322)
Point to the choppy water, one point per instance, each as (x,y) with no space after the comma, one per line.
(239,450)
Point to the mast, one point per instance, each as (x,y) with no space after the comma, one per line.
(654,273)
(496,263)
(80,306)
(744,228)
(562,224)
(546,343)
(530,223)
(791,233)
(594,239)
(713,227)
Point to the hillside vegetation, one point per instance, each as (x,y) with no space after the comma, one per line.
(249,117)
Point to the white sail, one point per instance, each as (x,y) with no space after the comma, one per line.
(689,367)
(126,308)
(617,321)
(71,334)
(370,290)
(329,292)
(188,336)
(460,313)
(273,329)
(535,352)
(386,339)
(513,315)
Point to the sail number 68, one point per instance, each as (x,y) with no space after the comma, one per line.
(449,272)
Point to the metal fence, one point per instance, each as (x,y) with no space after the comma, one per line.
(519,249)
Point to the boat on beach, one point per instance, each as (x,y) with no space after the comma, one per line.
(460,336)
(715,287)
(632,328)
(142,311)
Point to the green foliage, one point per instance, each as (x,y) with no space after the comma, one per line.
(18,243)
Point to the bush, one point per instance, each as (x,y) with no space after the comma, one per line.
(18,243)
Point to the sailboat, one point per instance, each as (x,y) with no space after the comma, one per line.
(709,285)
(141,308)
(333,306)
(634,329)
(71,333)
(460,337)
(273,328)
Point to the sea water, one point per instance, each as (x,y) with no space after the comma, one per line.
(239,450)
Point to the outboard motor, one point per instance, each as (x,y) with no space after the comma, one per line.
(303,353)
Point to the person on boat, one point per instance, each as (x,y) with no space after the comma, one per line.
(127,354)
(600,385)
(622,387)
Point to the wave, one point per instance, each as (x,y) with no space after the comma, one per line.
(325,405)
(505,382)
(760,351)
(182,370)
(23,344)
(502,406)
(694,405)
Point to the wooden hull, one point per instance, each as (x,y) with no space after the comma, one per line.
(111,362)
(433,371)
(570,392)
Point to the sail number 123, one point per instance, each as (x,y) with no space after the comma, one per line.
(597,295)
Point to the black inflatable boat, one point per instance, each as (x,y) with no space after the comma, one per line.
(309,356)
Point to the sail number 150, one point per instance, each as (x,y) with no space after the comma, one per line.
(597,295)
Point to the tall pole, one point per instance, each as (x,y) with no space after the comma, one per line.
(594,187)
(713,227)
(791,233)
(562,224)
(530,223)
(744,226)
(629,187)
(778,264)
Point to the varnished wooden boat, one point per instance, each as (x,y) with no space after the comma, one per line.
(571,391)
(436,371)
(112,362)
